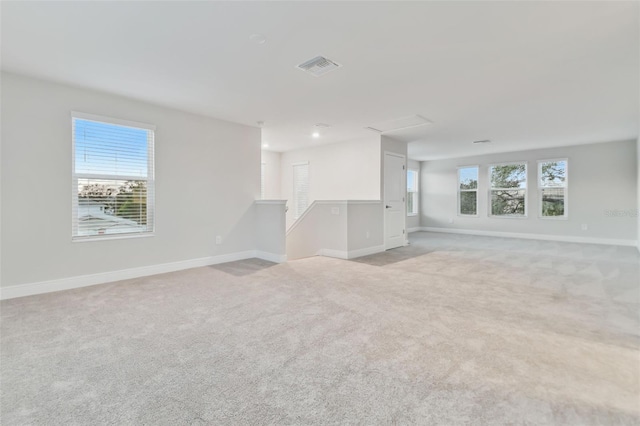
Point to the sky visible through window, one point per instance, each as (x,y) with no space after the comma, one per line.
(108,149)
(412,181)
(469,176)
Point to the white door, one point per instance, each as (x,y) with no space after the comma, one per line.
(394,195)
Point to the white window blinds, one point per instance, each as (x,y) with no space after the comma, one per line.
(113,177)
(300,189)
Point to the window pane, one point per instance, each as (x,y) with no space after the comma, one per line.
(553,174)
(508,202)
(410,203)
(468,202)
(509,176)
(468,178)
(111,206)
(412,181)
(300,189)
(109,149)
(553,202)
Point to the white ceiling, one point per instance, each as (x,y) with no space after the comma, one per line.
(523,74)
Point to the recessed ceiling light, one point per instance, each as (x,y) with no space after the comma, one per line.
(265,145)
(315,135)
(483,141)
(258,38)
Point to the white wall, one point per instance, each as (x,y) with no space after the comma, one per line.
(341,171)
(638,184)
(271,240)
(207,177)
(271,161)
(365,226)
(602,178)
(323,227)
(414,221)
(343,229)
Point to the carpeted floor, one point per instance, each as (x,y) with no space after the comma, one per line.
(450,330)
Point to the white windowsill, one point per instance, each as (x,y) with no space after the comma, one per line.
(553,217)
(508,217)
(111,237)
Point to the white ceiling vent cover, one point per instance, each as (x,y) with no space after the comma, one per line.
(318,66)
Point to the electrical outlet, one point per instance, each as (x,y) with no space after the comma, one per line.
(585,227)
(368,235)
(335,210)
(450,220)
(218,239)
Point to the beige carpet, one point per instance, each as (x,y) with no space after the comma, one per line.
(450,330)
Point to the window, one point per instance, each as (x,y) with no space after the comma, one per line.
(508,190)
(552,188)
(113,177)
(468,191)
(262,166)
(300,189)
(412,192)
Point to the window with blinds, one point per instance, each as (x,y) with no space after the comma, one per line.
(300,189)
(113,177)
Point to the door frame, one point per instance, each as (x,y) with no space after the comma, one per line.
(384,212)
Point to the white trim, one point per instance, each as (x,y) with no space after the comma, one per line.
(123,236)
(270,201)
(339,254)
(565,187)
(21,290)
(545,237)
(526,191)
(111,120)
(383,195)
(325,202)
(416,229)
(271,257)
(477,190)
(352,254)
(364,201)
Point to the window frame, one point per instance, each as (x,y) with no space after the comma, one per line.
(565,216)
(263,166)
(150,179)
(293,184)
(526,190)
(459,191)
(416,204)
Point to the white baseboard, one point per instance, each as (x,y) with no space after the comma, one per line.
(416,229)
(21,290)
(338,254)
(545,237)
(352,254)
(271,257)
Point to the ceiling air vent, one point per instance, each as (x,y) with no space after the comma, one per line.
(318,66)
